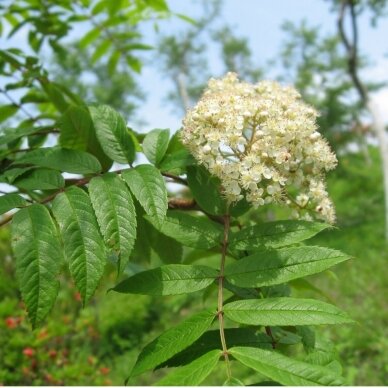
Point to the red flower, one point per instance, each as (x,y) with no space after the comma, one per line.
(12,322)
(104,370)
(29,352)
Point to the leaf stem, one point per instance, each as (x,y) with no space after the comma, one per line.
(269,333)
(220,312)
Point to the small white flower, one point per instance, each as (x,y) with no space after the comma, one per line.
(260,139)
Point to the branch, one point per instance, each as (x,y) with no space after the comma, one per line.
(173,203)
(220,304)
(79,182)
(175,178)
(182,203)
(351,46)
(14,102)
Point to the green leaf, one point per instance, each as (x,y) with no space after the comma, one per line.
(206,190)
(99,7)
(191,231)
(134,63)
(34,96)
(101,50)
(144,238)
(171,279)
(7,111)
(285,312)
(285,337)
(62,159)
(285,370)
(327,359)
(305,285)
(153,246)
(113,61)
(11,201)
(55,95)
(116,215)
(233,382)
(89,37)
(148,186)
(280,266)
(76,128)
(40,179)
(78,133)
(308,337)
(82,242)
(9,57)
(239,208)
(13,173)
(211,341)
(138,46)
(187,19)
(37,249)
(177,161)
(194,373)
(275,234)
(173,341)
(166,249)
(11,134)
(112,134)
(155,145)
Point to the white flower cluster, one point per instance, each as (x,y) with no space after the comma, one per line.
(262,142)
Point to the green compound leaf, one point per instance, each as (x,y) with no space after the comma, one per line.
(148,186)
(112,134)
(62,159)
(285,312)
(194,373)
(172,342)
(279,266)
(171,279)
(116,215)
(211,341)
(11,201)
(155,145)
(82,241)
(285,370)
(191,231)
(37,249)
(275,234)
(40,179)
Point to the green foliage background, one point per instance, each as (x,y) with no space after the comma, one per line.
(111,331)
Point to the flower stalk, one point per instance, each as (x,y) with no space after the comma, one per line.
(221,278)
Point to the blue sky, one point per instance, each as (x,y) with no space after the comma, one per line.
(260,21)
